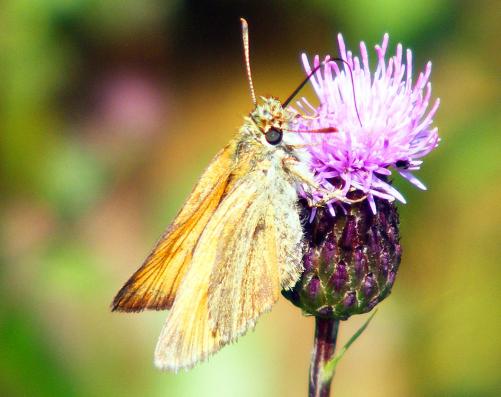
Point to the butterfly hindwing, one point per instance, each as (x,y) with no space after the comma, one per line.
(236,272)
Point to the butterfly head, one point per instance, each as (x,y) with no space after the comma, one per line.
(271,119)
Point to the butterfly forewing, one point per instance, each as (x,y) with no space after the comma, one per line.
(155,283)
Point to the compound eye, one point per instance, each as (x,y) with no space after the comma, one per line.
(402,164)
(273,136)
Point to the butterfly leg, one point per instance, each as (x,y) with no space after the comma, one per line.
(302,174)
(329,195)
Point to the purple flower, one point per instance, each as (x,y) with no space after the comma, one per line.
(386,126)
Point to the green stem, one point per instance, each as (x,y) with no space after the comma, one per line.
(323,351)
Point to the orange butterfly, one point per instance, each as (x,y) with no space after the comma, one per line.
(234,245)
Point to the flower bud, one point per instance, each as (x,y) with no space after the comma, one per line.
(350,261)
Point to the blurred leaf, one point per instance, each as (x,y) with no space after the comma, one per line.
(29,365)
(71,270)
(371,19)
(73,179)
(330,366)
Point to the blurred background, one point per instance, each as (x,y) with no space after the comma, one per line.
(110,110)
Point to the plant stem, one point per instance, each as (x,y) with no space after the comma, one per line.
(323,350)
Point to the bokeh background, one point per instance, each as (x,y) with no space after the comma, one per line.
(109,111)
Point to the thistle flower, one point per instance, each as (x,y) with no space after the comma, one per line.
(382,119)
(383,123)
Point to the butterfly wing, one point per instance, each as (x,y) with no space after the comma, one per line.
(246,253)
(155,283)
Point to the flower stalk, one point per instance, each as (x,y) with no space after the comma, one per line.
(324,345)
(323,362)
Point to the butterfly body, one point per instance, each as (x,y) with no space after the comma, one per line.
(234,245)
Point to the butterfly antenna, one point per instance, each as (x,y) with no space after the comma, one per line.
(303,83)
(245,39)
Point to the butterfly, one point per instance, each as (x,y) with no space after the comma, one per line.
(236,242)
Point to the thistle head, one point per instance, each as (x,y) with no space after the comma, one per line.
(384,125)
(351,260)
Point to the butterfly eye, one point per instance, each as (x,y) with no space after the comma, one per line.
(273,136)
(402,164)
